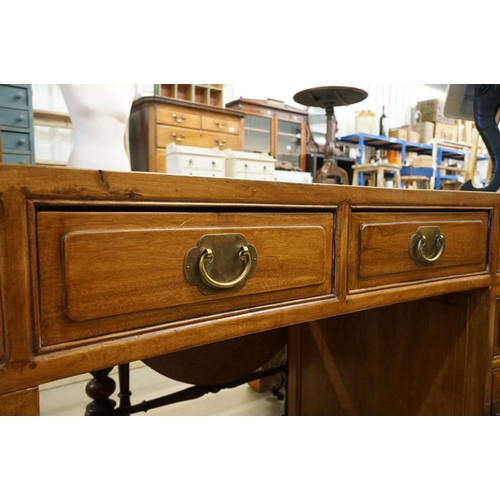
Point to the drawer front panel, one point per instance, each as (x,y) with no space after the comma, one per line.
(178,118)
(13,96)
(249,167)
(202,173)
(379,247)
(17,159)
(16,141)
(14,118)
(220,124)
(200,162)
(96,269)
(219,140)
(257,177)
(166,135)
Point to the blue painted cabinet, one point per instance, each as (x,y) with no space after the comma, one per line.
(16,124)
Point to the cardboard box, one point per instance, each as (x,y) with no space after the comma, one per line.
(425,131)
(399,133)
(422,161)
(446,132)
(433,111)
(413,136)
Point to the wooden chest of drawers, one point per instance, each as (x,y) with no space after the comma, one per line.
(158,121)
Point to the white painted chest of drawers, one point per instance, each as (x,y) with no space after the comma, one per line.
(190,160)
(254,166)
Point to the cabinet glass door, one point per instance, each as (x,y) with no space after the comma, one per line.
(289,136)
(257,134)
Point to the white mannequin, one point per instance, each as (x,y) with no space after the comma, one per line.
(100,116)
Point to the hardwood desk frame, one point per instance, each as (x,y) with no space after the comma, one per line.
(370,331)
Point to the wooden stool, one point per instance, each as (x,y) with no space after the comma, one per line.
(416,182)
(377,173)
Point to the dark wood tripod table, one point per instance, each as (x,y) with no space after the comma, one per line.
(329,98)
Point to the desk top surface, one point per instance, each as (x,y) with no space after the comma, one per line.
(60,183)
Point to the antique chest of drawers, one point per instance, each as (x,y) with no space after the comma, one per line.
(16,124)
(158,121)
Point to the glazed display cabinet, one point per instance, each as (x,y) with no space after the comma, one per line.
(274,128)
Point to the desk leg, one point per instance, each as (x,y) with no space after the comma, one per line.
(99,389)
(21,403)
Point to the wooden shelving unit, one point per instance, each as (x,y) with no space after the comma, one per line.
(199,93)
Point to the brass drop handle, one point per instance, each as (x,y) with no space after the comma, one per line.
(215,264)
(221,143)
(178,139)
(221,125)
(427,245)
(177,119)
(208,256)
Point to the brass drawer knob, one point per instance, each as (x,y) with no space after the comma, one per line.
(178,139)
(427,245)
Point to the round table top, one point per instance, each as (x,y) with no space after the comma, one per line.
(324,97)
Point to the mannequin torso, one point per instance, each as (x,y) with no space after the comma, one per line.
(100,115)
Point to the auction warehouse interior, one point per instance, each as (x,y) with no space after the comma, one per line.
(242,250)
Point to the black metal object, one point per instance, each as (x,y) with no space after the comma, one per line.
(194,392)
(329,98)
(486,106)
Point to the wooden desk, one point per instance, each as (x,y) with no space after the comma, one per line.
(93,275)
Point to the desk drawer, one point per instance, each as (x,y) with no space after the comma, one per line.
(103,271)
(392,248)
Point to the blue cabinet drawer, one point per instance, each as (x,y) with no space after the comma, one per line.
(10,117)
(13,96)
(17,159)
(17,141)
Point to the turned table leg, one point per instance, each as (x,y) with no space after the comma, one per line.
(99,389)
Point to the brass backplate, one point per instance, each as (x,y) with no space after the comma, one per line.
(225,267)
